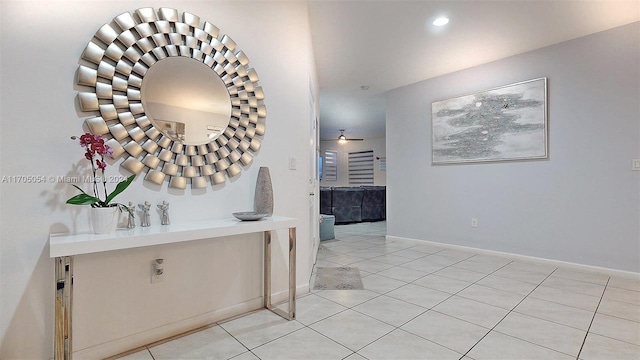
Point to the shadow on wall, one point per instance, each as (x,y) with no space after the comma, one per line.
(34,316)
(55,198)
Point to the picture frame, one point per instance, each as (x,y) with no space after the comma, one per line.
(507,123)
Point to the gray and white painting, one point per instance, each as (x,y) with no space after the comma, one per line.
(507,123)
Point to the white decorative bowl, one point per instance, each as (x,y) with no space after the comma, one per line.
(248,215)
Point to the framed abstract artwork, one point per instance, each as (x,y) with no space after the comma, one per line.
(501,124)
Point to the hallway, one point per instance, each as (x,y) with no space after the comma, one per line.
(422,301)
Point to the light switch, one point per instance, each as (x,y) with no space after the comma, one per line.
(636,165)
(293,163)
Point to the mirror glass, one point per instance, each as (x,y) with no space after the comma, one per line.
(186,100)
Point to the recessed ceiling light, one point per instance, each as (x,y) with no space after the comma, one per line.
(441,21)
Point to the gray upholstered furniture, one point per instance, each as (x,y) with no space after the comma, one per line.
(325,200)
(374,203)
(346,204)
(354,204)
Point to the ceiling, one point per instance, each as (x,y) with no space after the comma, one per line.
(389,44)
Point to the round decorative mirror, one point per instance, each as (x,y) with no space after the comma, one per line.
(175,96)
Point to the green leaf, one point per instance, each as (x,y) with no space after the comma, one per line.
(83,199)
(76,186)
(122,185)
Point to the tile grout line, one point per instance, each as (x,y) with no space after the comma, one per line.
(236,339)
(150,353)
(454,294)
(381,294)
(430,308)
(510,311)
(595,312)
(330,339)
(352,309)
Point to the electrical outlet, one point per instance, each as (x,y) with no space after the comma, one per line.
(293,163)
(474,222)
(635,165)
(157,271)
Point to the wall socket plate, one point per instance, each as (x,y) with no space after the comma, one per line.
(474,222)
(635,164)
(157,271)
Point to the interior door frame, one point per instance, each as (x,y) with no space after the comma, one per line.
(314,178)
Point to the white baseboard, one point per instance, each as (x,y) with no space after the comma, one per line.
(283,295)
(564,264)
(146,337)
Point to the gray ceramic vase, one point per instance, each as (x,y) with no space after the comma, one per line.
(263,198)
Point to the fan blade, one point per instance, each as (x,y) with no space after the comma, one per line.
(342,137)
(348,139)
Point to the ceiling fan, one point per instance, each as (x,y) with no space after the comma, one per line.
(342,138)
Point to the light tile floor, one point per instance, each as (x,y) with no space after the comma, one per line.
(422,301)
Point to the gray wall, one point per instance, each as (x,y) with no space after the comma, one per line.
(376,144)
(582,205)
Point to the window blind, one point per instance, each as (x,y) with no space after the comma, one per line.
(361,167)
(330,167)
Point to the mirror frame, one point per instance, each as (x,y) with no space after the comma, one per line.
(117,59)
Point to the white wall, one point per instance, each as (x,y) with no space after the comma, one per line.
(379,150)
(41,45)
(581,205)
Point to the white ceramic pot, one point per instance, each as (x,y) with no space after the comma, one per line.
(104,220)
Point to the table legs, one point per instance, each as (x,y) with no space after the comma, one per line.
(64,301)
(291,313)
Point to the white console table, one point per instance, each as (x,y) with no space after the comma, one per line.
(63,247)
